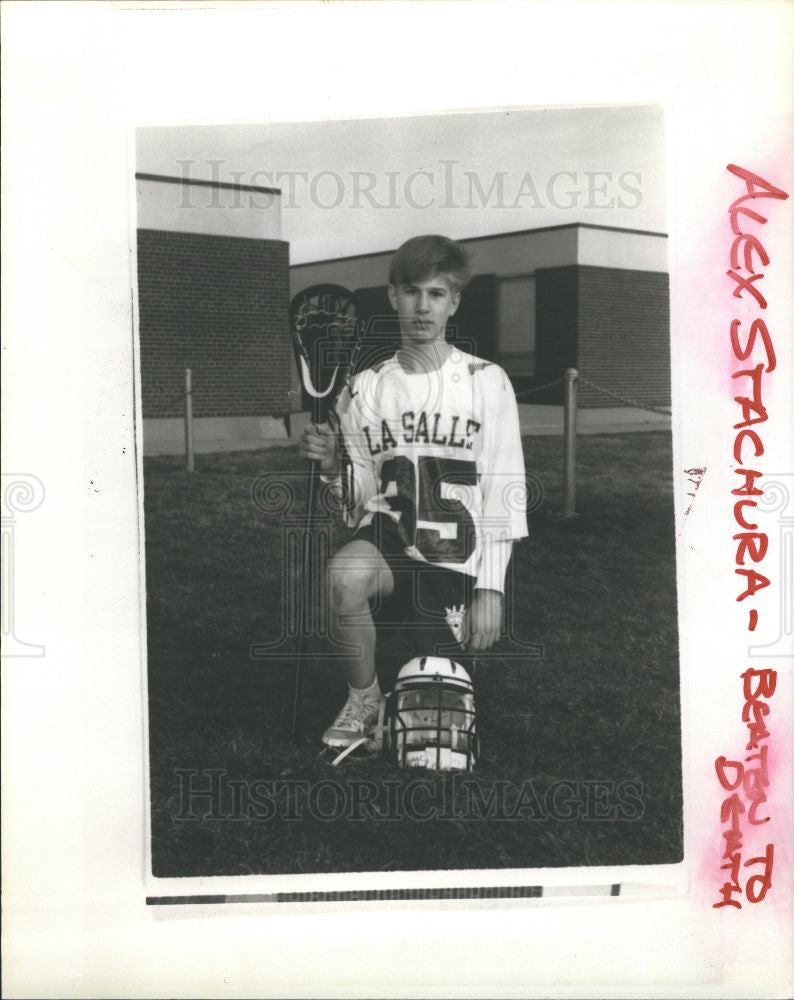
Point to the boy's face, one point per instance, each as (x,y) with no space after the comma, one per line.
(424,308)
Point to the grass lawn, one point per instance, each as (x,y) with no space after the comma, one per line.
(580,747)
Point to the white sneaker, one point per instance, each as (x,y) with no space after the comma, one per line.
(358,717)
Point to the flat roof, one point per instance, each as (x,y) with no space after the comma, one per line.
(226,185)
(490,236)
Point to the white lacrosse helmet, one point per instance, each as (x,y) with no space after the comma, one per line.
(431,718)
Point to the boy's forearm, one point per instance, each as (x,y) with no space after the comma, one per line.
(493,564)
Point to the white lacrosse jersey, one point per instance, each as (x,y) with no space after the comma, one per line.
(438,452)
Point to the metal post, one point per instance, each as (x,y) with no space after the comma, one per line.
(189,459)
(569,483)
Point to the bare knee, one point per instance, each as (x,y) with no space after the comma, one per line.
(354,577)
(349,586)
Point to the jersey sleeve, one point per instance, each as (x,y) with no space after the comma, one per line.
(504,515)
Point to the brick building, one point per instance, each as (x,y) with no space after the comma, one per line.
(213,296)
(595,298)
(214,286)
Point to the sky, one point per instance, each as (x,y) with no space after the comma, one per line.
(360,185)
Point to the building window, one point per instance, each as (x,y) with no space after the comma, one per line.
(516,333)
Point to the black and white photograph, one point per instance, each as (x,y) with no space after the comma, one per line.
(408,510)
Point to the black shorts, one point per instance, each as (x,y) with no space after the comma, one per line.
(423,593)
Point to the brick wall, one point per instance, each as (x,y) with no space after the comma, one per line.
(624,335)
(556,326)
(218,305)
(611,324)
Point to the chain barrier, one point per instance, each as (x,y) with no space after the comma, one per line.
(598,388)
(538,388)
(177,399)
(624,399)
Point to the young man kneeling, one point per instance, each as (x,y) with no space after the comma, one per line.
(430,447)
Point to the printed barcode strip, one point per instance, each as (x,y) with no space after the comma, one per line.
(368,895)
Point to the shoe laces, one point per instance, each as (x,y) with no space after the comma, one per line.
(353,712)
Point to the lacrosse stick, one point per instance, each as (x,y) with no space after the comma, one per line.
(326,332)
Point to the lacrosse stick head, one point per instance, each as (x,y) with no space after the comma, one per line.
(324,320)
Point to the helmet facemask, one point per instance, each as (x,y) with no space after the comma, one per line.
(432,720)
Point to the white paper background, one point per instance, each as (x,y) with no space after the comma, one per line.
(76,78)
